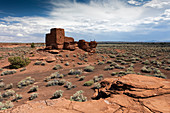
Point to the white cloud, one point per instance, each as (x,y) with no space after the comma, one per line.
(99,16)
(158,3)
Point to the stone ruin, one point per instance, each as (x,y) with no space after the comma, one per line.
(56,39)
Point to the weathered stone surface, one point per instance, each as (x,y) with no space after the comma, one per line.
(116,100)
(50,59)
(56,40)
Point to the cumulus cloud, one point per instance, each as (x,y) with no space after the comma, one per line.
(96,17)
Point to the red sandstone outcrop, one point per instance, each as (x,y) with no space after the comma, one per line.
(56,39)
(128,94)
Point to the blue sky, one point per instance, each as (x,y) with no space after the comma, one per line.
(100,20)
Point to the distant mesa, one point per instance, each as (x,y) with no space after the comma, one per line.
(56,39)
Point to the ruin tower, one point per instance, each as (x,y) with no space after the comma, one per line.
(55,39)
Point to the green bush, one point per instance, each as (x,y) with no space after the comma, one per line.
(18,62)
(17,97)
(56,67)
(33,89)
(9,86)
(2,84)
(32,45)
(8,72)
(89,69)
(75,72)
(8,93)
(97,85)
(81,78)
(6,105)
(33,96)
(25,82)
(58,94)
(89,83)
(78,96)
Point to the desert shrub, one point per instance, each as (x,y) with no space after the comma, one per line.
(6,105)
(89,69)
(75,72)
(74,55)
(100,63)
(52,83)
(56,67)
(160,75)
(112,56)
(33,96)
(167,68)
(146,62)
(17,97)
(38,63)
(108,68)
(109,62)
(55,75)
(67,55)
(43,63)
(68,85)
(89,83)
(25,82)
(33,89)
(2,84)
(119,67)
(8,72)
(1,80)
(97,78)
(122,73)
(81,78)
(113,64)
(8,93)
(18,62)
(124,63)
(79,63)
(78,96)
(97,85)
(67,64)
(61,82)
(9,86)
(114,73)
(77,76)
(146,69)
(32,45)
(58,94)
(23,69)
(46,79)
(85,60)
(101,76)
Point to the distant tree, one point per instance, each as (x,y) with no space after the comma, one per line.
(32,45)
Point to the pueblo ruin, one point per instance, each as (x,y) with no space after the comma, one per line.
(56,39)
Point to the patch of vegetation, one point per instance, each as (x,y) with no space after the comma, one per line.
(33,89)
(56,67)
(16,97)
(8,93)
(25,82)
(75,72)
(9,86)
(6,105)
(89,83)
(89,69)
(58,94)
(33,96)
(78,96)
(32,45)
(8,72)
(18,62)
